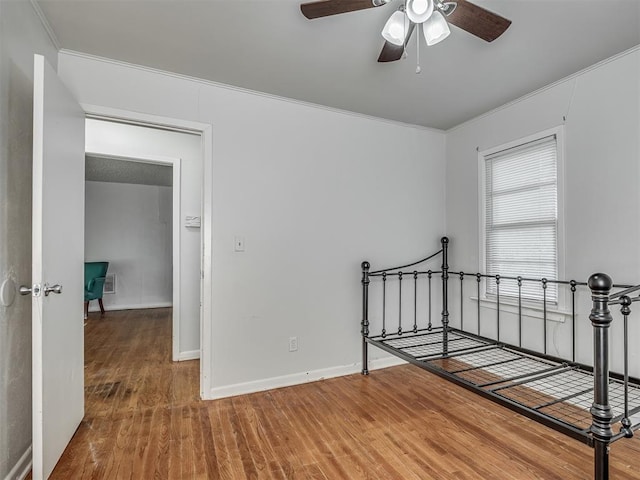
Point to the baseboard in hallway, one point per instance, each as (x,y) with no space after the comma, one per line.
(115,308)
(189,355)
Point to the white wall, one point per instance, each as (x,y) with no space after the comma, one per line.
(142,142)
(602,156)
(313,191)
(21,35)
(130,227)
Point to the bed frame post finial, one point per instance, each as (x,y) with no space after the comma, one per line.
(445,296)
(601,413)
(365,317)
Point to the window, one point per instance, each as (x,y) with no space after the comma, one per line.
(520,215)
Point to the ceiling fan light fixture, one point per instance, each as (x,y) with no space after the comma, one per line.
(396,28)
(419,11)
(435,29)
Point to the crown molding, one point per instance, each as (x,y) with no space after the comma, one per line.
(244,90)
(568,78)
(45,24)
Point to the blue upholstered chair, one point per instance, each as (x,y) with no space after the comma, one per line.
(94,277)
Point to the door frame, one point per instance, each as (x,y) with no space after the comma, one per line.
(175,163)
(205,130)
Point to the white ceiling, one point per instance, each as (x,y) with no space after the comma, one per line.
(268,46)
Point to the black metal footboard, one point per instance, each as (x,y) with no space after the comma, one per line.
(511,348)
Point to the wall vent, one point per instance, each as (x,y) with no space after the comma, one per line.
(110,283)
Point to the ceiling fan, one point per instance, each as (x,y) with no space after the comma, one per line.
(434,15)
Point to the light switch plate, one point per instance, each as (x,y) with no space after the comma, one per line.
(192,221)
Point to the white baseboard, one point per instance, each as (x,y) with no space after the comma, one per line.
(190,355)
(96,308)
(298,378)
(22,468)
(385,362)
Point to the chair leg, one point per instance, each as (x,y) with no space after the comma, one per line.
(101,306)
(86,309)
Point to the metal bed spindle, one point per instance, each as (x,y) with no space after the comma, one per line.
(445,295)
(601,412)
(384,304)
(544,314)
(573,319)
(399,303)
(625,429)
(415,301)
(519,311)
(461,300)
(430,325)
(497,307)
(365,317)
(478,280)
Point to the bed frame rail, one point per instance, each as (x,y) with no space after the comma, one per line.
(502,371)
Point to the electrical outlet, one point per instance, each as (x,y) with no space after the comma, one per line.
(293,344)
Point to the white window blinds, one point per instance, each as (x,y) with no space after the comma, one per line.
(521,217)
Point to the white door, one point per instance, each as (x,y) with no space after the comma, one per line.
(58,260)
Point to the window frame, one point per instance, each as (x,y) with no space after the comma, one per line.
(560,306)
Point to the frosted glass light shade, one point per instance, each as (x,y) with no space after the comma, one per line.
(395,30)
(435,29)
(419,10)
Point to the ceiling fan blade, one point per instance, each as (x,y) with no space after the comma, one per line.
(391,52)
(324,8)
(478,21)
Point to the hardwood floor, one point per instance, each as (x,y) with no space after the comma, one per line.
(144,420)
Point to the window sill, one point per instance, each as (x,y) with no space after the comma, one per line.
(528,310)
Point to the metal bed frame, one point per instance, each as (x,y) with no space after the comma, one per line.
(583,401)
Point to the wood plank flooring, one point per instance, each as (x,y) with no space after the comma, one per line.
(144,420)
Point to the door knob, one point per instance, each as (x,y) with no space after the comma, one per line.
(35,290)
(52,289)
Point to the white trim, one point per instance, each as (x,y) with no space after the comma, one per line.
(151,159)
(176,189)
(189,355)
(206,293)
(298,378)
(22,468)
(528,309)
(206,132)
(133,306)
(244,90)
(45,24)
(100,112)
(568,78)
(385,362)
(175,257)
(560,232)
(521,141)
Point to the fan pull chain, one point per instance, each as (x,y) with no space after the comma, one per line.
(418,69)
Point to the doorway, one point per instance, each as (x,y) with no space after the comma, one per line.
(138,166)
(203,204)
(132,211)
